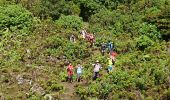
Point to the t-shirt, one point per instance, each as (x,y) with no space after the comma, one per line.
(97,67)
(83,32)
(79,69)
(110,61)
(70,70)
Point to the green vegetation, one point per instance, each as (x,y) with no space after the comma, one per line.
(35,49)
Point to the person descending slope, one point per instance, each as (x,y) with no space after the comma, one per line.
(97,67)
(70,72)
(79,72)
(113,57)
(83,33)
(110,65)
(110,46)
(103,48)
(72,38)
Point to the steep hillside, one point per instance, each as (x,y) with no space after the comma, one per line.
(35,49)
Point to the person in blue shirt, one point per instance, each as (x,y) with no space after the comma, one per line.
(79,72)
(110,46)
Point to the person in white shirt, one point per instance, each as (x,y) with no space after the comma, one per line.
(83,33)
(97,67)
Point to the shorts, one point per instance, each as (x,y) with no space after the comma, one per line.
(79,74)
(110,68)
(70,75)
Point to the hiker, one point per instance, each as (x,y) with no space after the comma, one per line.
(110,65)
(103,48)
(72,38)
(79,72)
(97,67)
(70,72)
(113,57)
(110,46)
(91,39)
(83,33)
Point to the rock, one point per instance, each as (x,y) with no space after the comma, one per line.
(28,82)
(28,53)
(20,79)
(48,97)
(2,97)
(37,89)
(40,67)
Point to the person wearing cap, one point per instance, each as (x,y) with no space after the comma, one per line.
(97,67)
(70,72)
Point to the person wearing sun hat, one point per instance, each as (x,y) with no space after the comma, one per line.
(97,67)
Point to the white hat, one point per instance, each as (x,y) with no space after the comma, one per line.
(97,61)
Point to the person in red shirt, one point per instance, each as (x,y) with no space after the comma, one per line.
(70,72)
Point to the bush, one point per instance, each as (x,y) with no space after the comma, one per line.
(104,19)
(69,22)
(15,17)
(144,42)
(56,87)
(150,31)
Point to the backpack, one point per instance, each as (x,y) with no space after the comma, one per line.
(110,45)
(113,60)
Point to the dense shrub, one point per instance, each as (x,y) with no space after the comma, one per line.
(143,42)
(69,22)
(104,19)
(57,46)
(150,31)
(54,8)
(15,17)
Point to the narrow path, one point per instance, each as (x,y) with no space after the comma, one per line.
(69,93)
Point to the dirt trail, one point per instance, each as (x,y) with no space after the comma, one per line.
(69,93)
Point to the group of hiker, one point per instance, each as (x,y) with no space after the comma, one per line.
(97,67)
(84,35)
(108,45)
(91,38)
(105,47)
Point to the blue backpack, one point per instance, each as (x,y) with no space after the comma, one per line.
(110,45)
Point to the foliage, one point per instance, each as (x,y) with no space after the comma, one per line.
(54,8)
(54,86)
(150,31)
(15,18)
(57,46)
(69,22)
(104,19)
(144,42)
(34,42)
